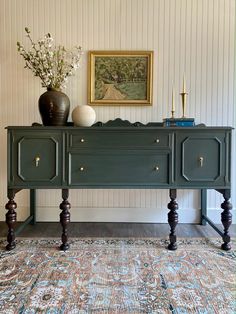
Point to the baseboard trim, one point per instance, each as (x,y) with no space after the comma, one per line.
(121,214)
(145,215)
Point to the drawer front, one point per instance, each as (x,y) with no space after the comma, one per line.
(202,159)
(36,159)
(115,169)
(123,139)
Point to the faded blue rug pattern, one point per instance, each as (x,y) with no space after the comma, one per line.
(117,276)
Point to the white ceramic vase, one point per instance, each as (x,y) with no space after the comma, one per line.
(83,115)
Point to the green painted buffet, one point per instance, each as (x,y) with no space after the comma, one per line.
(119,154)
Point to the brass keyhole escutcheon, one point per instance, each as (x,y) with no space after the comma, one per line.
(37,160)
(201,159)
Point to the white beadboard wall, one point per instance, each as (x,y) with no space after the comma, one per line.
(195,37)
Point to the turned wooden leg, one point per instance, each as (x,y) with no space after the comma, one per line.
(11,220)
(172,220)
(226,218)
(65,219)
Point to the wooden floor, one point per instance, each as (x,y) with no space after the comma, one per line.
(136,230)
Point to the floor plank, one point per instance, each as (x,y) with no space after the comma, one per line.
(136,230)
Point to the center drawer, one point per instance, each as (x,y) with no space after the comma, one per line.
(130,168)
(90,138)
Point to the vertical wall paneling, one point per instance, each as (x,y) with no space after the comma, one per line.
(195,38)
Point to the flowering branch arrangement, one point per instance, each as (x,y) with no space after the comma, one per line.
(52,64)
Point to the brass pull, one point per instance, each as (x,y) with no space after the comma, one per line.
(156,168)
(37,160)
(201,161)
(82,140)
(81,168)
(157,140)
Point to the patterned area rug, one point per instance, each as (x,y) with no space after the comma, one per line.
(117,276)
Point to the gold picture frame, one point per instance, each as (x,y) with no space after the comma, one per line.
(120,77)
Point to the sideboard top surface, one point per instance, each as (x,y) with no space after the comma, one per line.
(70,128)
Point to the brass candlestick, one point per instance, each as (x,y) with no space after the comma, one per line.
(184,97)
(172,114)
(173,105)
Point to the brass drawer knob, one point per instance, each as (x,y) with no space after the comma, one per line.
(82,140)
(156,168)
(81,168)
(157,140)
(37,160)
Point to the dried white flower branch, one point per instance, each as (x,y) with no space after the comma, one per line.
(52,64)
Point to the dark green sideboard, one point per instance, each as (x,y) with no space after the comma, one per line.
(119,154)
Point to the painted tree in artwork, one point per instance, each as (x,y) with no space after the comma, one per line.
(121,69)
(124,72)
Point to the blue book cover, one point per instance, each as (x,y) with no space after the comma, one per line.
(185,122)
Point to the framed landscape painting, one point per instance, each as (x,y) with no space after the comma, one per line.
(120,77)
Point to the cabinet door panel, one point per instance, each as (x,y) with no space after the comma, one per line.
(36,159)
(202,159)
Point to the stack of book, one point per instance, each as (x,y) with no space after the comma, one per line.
(179,122)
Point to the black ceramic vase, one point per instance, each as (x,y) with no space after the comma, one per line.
(54,107)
